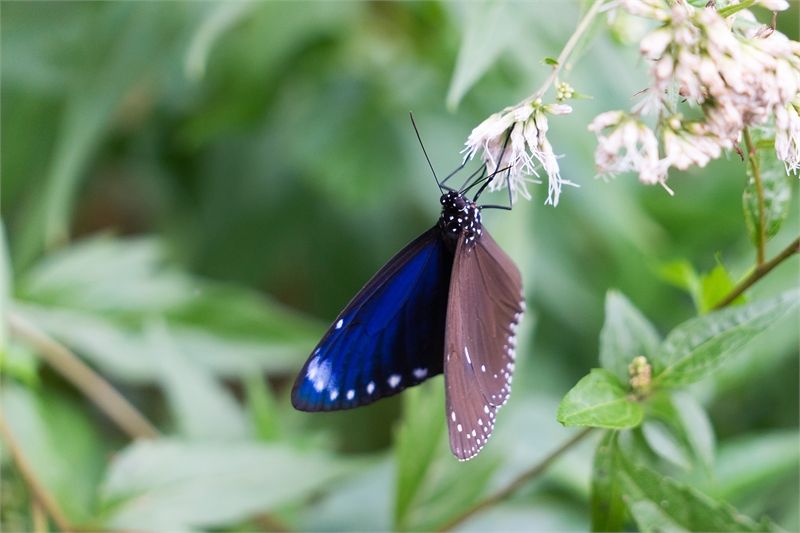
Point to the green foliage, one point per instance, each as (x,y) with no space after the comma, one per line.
(775,193)
(174,484)
(626,334)
(599,400)
(191,191)
(697,347)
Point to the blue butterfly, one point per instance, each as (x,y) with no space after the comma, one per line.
(449,302)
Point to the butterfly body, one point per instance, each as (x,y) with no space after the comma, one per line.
(449,302)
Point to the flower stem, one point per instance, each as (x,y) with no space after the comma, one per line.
(518,482)
(760,271)
(100,391)
(562,58)
(38,490)
(762,223)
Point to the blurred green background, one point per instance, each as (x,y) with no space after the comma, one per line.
(192,191)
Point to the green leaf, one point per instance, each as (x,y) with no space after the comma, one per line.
(717,284)
(682,274)
(599,400)
(727,11)
(487,34)
(660,503)
(418,438)
(776,191)
(749,464)
(689,432)
(263,408)
(607,507)
(105,274)
(6,283)
(221,19)
(122,351)
(168,484)
(61,444)
(663,443)
(697,428)
(699,346)
(202,407)
(626,334)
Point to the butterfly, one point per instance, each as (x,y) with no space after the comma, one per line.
(449,302)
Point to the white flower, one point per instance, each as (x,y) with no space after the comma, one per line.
(629,146)
(787,135)
(516,139)
(774,5)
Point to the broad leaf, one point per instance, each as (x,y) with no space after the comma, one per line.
(61,444)
(697,428)
(174,485)
(263,408)
(626,334)
(599,400)
(660,503)
(418,438)
(608,509)
(697,347)
(688,430)
(749,464)
(776,191)
(716,285)
(664,443)
(202,407)
(682,274)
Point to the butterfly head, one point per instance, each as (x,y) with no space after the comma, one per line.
(459,215)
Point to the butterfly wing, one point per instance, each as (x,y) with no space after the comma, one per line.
(485,304)
(388,338)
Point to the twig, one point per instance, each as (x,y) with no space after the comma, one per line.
(762,223)
(759,272)
(106,397)
(38,490)
(518,482)
(562,57)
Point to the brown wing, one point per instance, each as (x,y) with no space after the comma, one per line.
(484,307)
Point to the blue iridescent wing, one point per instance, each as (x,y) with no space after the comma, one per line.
(388,338)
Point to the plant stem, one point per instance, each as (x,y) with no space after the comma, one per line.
(38,490)
(563,56)
(100,391)
(760,271)
(518,482)
(762,222)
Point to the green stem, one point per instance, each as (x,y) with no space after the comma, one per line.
(518,482)
(760,271)
(38,490)
(762,223)
(89,382)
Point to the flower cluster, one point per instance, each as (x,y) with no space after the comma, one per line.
(516,139)
(738,74)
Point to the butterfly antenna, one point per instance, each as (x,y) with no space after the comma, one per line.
(497,169)
(423,151)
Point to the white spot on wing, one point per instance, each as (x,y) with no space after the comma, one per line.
(459,427)
(394,380)
(420,373)
(318,373)
(339,324)
(453,415)
(351,394)
(370,387)
(466,352)
(334,394)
